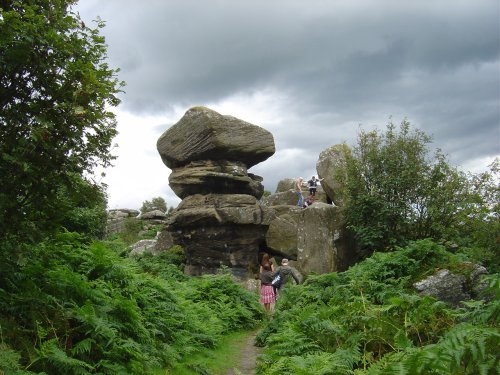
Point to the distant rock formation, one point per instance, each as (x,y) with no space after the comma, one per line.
(220,220)
(117,217)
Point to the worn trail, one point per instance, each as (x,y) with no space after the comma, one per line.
(247,357)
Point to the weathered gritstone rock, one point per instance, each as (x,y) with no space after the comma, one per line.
(282,234)
(211,176)
(153,215)
(323,244)
(219,222)
(213,209)
(454,288)
(117,217)
(330,160)
(219,230)
(203,134)
(142,246)
(314,236)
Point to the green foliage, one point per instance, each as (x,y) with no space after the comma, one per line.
(157,203)
(76,307)
(394,192)
(368,320)
(83,209)
(131,229)
(56,91)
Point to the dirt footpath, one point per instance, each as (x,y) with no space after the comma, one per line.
(246,357)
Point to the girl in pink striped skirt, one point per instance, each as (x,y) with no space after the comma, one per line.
(267,295)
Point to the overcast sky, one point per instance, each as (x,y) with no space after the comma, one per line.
(310,72)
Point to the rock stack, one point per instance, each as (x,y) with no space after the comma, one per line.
(219,221)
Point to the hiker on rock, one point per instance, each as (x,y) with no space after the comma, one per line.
(313,184)
(298,191)
(308,201)
(267,295)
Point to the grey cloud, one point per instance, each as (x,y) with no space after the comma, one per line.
(340,63)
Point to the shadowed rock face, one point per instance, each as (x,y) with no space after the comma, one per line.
(219,222)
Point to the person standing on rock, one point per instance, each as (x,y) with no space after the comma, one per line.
(298,191)
(267,295)
(286,272)
(313,184)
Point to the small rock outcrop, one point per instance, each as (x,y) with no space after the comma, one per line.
(117,218)
(220,220)
(142,246)
(451,287)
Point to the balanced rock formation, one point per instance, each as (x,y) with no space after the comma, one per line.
(220,221)
(210,153)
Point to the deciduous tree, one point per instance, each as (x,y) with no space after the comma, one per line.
(56,91)
(395,190)
(157,203)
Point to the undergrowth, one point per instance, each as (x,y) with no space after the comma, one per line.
(369,321)
(72,307)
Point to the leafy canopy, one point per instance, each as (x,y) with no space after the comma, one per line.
(395,191)
(56,91)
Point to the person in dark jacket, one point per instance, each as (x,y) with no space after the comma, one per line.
(313,184)
(267,295)
(287,272)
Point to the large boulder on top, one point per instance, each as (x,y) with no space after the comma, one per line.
(203,134)
(327,166)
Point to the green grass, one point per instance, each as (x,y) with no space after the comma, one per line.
(213,362)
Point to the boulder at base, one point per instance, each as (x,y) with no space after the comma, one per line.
(323,243)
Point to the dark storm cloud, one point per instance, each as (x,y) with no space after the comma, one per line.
(337,63)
